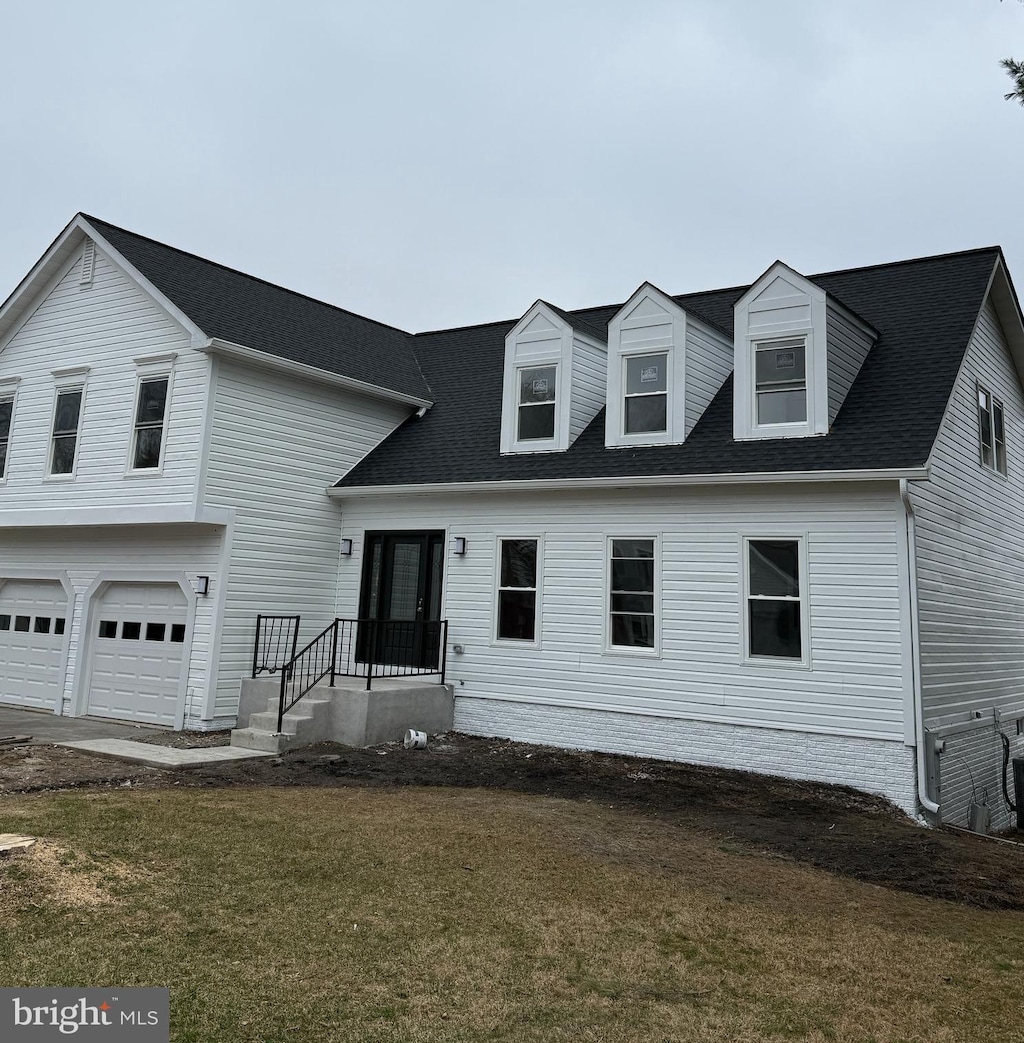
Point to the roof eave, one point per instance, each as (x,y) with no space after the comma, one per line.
(253,356)
(913,474)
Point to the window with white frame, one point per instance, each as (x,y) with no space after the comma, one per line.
(6,416)
(780,376)
(517,590)
(774,608)
(632,617)
(536,412)
(646,396)
(992,431)
(67,413)
(150,415)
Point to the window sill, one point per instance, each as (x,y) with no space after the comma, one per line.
(628,652)
(775,661)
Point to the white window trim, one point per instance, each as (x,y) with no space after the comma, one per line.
(631,651)
(672,380)
(71,378)
(509,642)
(537,445)
(992,468)
(615,408)
(804,427)
(761,662)
(9,390)
(155,367)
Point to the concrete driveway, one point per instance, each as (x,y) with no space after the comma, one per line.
(45,727)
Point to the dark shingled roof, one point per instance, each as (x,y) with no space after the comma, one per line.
(245,310)
(924,311)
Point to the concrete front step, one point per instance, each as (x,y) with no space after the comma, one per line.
(258,739)
(305,723)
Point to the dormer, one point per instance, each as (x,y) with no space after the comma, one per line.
(664,367)
(797,352)
(554,380)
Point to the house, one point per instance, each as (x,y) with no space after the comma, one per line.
(775,527)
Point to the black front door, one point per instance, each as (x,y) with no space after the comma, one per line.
(402,573)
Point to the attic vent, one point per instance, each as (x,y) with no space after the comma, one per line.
(88,263)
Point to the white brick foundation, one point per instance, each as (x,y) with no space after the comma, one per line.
(876,766)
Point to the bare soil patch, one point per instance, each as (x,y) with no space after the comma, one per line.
(839,830)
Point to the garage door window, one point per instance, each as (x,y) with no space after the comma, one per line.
(21,624)
(131,631)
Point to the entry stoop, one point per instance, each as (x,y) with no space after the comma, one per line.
(345,713)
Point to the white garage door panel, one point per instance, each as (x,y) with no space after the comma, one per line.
(137,644)
(33,617)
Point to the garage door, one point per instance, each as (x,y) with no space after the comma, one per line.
(33,617)
(138,634)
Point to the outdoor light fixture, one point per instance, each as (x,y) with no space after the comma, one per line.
(203,585)
(459,545)
(346,547)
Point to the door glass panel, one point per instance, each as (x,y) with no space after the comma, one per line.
(405,580)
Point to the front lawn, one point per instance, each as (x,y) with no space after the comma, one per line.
(444,915)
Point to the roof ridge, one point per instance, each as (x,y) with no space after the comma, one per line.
(908,260)
(244,275)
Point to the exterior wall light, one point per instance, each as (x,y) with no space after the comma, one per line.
(346,548)
(459,545)
(203,585)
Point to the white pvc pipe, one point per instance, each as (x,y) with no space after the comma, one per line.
(915,640)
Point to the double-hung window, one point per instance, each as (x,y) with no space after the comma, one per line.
(632,594)
(150,414)
(536,410)
(517,589)
(992,431)
(6,415)
(774,605)
(780,375)
(646,398)
(67,414)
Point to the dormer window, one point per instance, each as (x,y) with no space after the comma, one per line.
(536,402)
(797,353)
(664,368)
(646,404)
(781,381)
(553,382)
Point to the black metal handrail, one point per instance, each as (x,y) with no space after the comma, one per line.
(275,644)
(307,669)
(364,648)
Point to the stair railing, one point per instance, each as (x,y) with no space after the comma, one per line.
(307,669)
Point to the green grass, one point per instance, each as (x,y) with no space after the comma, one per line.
(432,915)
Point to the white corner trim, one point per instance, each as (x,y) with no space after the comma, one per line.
(912,474)
(214,345)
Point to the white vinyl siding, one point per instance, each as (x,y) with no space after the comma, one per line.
(709,357)
(589,366)
(848,345)
(970,549)
(103,326)
(276,444)
(854,683)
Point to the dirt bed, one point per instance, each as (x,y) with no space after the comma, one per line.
(835,829)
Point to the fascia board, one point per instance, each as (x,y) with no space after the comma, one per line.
(56,256)
(254,357)
(912,474)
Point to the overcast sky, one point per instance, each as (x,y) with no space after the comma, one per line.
(432,164)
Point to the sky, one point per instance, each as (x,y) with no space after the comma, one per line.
(447,162)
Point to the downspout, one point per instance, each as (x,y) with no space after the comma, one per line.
(915,655)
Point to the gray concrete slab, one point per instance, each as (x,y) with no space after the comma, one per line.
(47,728)
(162,756)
